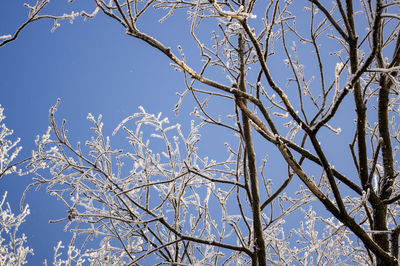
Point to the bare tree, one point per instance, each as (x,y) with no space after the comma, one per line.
(164,207)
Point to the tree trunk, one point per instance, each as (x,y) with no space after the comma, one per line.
(259,243)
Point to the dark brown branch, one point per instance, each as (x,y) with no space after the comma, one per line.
(268,136)
(204,241)
(26,23)
(343,217)
(259,241)
(269,78)
(356,76)
(330,18)
(216,180)
(374,162)
(394,242)
(280,189)
(392,200)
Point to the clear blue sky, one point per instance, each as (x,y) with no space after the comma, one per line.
(93,67)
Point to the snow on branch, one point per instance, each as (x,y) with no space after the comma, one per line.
(9,149)
(12,244)
(134,194)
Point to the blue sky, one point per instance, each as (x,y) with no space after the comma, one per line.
(93,67)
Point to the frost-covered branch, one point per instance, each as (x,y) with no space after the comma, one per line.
(9,149)
(286,69)
(34,14)
(12,245)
